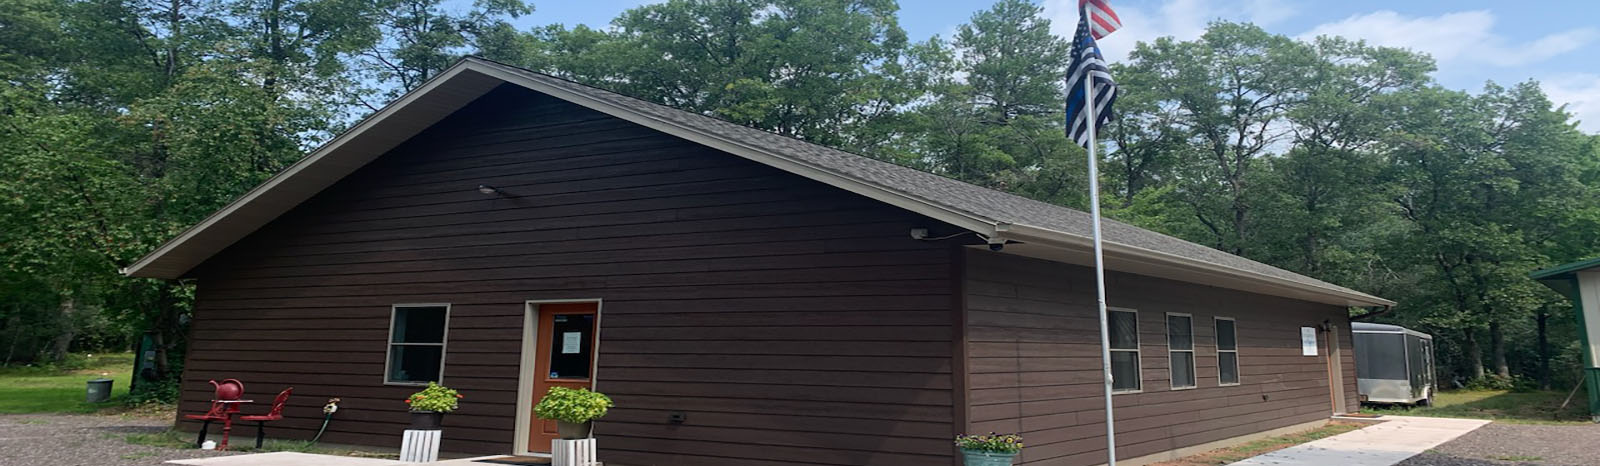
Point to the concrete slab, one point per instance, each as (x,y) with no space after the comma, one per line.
(1384,444)
(287,458)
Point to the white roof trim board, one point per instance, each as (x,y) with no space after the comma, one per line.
(1046,230)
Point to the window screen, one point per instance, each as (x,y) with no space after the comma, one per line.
(1124,329)
(416,344)
(1180,349)
(1227,352)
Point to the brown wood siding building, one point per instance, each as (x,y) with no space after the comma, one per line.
(763,301)
(1033,355)
(791,322)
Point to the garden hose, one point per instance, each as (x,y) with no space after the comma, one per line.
(327,415)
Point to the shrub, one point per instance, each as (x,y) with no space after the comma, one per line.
(434,398)
(1491,382)
(991,443)
(159,391)
(572,405)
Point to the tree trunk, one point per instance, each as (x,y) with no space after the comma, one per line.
(14,322)
(69,330)
(166,323)
(1497,349)
(1474,354)
(1544,350)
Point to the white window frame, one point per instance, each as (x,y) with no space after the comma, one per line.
(1166,326)
(1216,337)
(389,344)
(1138,354)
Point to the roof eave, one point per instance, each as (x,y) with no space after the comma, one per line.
(1027,233)
(1561,271)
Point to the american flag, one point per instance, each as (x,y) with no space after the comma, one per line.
(1102,21)
(1087,64)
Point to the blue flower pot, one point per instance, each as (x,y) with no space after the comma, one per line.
(987,458)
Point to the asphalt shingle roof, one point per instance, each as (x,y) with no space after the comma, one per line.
(972,200)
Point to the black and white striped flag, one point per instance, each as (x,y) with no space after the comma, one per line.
(1087,64)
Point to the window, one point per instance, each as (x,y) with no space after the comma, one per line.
(1124,329)
(416,344)
(572,346)
(1180,349)
(1227,352)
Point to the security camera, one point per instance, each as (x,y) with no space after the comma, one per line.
(996,246)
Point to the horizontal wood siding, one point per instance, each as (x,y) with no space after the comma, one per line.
(791,322)
(1034,353)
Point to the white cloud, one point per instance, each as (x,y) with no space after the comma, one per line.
(1460,37)
(1581,94)
(1182,19)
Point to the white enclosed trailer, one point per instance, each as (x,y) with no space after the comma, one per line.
(1394,364)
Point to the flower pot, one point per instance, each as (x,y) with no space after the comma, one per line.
(426,420)
(987,458)
(574,430)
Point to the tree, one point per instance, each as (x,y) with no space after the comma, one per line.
(813,69)
(417,39)
(1232,89)
(1324,184)
(1483,180)
(994,117)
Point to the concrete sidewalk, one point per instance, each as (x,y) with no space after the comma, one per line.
(284,458)
(287,458)
(1384,444)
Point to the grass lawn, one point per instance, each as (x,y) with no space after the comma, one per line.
(1266,445)
(25,390)
(1539,407)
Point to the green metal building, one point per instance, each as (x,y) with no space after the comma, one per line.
(1580,283)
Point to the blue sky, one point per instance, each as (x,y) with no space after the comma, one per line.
(1474,41)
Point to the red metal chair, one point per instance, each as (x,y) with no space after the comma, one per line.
(275,414)
(228,389)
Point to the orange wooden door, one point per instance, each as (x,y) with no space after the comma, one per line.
(563,357)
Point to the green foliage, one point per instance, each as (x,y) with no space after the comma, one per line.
(59,388)
(160,392)
(991,442)
(1531,407)
(436,398)
(1497,382)
(572,405)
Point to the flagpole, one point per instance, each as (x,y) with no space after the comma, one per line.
(1099,267)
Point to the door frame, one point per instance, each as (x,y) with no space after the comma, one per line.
(529,359)
(1335,358)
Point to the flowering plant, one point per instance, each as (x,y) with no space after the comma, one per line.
(572,405)
(434,398)
(992,443)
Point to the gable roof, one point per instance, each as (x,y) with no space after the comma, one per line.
(1044,230)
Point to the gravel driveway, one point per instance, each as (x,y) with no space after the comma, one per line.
(82,440)
(1517,444)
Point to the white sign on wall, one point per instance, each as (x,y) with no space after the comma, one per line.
(1308,341)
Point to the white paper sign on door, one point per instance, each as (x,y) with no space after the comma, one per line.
(1308,341)
(570,342)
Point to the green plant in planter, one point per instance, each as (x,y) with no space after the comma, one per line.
(990,449)
(436,398)
(572,405)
